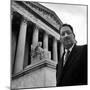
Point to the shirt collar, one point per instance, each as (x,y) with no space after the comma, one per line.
(69,49)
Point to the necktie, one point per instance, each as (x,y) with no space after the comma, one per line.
(66,57)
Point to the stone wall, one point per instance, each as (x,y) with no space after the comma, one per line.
(41,74)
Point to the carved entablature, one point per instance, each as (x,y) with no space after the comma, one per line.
(45,13)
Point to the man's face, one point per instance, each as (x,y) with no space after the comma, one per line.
(67,37)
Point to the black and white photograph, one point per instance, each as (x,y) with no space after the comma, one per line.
(49,45)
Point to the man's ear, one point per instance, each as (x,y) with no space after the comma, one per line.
(74,35)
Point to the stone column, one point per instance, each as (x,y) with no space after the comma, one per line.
(45,41)
(13,42)
(55,57)
(20,47)
(35,36)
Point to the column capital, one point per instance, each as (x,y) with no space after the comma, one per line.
(46,33)
(24,19)
(36,27)
(54,39)
(12,11)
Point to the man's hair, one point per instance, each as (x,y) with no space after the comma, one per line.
(68,26)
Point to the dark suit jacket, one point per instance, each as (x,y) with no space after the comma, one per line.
(75,70)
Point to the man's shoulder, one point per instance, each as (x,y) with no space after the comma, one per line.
(82,46)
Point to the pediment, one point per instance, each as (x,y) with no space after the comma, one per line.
(49,15)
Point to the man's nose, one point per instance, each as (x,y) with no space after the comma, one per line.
(66,34)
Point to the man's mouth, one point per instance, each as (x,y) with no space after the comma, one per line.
(67,38)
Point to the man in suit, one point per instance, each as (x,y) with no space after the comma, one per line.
(72,67)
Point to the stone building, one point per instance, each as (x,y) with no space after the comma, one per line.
(35,47)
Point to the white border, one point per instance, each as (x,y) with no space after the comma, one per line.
(5,42)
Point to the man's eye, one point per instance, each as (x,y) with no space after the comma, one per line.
(63,34)
(68,33)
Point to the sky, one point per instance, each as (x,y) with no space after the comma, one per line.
(75,15)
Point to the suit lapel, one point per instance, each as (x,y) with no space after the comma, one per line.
(60,68)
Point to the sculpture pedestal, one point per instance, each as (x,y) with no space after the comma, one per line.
(40,74)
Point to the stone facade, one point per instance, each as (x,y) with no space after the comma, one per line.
(35,51)
(40,74)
